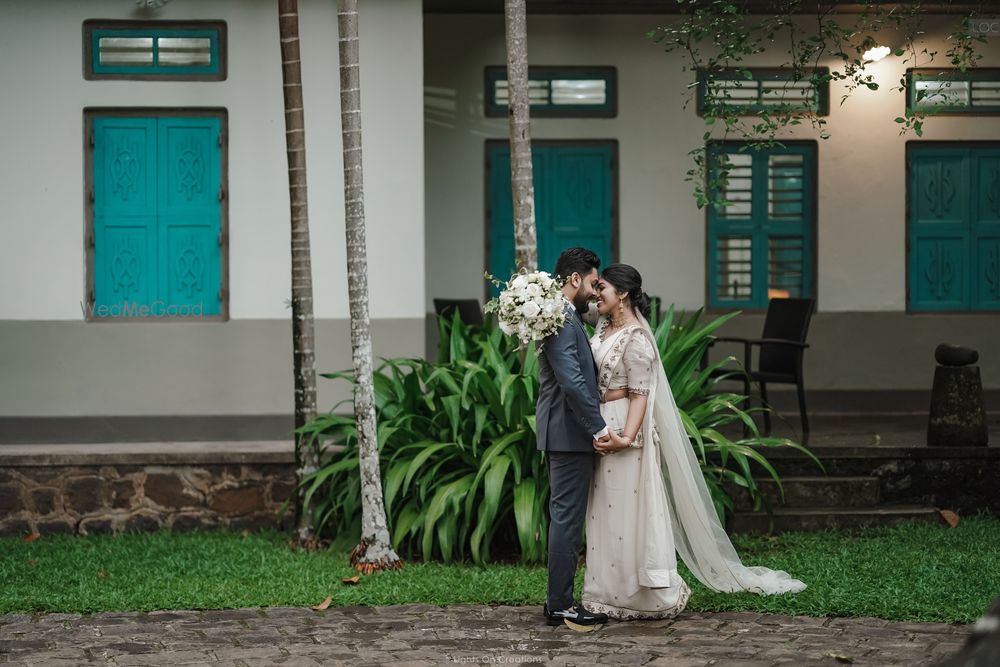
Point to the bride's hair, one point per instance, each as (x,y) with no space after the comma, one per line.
(627,279)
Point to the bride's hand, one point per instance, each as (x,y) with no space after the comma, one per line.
(614,443)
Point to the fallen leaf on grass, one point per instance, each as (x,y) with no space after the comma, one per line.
(579,628)
(32,537)
(351,580)
(840,658)
(246,533)
(103,574)
(324,604)
(950,517)
(32,561)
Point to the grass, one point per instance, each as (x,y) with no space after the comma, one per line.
(913,572)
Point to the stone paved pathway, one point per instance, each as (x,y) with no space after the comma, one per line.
(466,634)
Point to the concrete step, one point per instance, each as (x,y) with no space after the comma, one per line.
(813,492)
(801,519)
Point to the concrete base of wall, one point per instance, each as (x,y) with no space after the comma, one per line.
(240,367)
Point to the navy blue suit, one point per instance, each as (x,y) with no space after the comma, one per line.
(568,414)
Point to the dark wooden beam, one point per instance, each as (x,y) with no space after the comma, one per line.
(671,6)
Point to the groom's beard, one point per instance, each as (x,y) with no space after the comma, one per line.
(581,303)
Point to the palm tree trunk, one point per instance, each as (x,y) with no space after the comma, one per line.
(303,339)
(522,187)
(374,552)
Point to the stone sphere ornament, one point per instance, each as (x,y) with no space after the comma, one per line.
(955,355)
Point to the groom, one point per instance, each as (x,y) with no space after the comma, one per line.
(568,420)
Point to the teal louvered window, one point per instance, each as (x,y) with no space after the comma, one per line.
(558,92)
(952,91)
(953,227)
(154,50)
(752,91)
(760,238)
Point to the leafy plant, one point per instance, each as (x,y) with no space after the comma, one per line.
(462,475)
(707,412)
(457,444)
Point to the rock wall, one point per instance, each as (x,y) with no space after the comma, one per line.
(134,498)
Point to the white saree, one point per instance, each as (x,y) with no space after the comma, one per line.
(650,503)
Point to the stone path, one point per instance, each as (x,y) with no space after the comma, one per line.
(464,634)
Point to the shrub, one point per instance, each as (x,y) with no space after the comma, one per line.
(461,474)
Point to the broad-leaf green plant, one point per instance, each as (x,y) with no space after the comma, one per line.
(462,475)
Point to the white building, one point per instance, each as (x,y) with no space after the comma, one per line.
(190,198)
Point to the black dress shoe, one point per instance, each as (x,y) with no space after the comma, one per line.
(575,614)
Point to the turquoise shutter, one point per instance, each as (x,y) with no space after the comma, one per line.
(733,241)
(788,225)
(573,204)
(760,242)
(939,229)
(190,214)
(124,213)
(579,202)
(986,233)
(501,214)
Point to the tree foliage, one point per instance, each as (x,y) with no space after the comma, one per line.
(717,38)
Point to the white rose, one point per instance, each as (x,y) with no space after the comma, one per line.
(506,327)
(530,309)
(520,281)
(533,290)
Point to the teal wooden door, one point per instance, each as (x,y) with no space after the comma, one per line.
(953,228)
(574,203)
(157,214)
(124,211)
(189,213)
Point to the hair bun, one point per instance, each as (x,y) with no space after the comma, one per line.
(641,302)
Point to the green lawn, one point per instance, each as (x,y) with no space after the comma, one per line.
(914,572)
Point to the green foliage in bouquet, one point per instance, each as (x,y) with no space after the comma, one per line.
(461,475)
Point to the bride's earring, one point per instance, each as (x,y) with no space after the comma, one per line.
(621,308)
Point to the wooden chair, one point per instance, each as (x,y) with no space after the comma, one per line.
(779,361)
(469,310)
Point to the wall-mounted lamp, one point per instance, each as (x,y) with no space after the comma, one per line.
(875,54)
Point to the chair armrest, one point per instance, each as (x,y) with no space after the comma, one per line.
(778,341)
(726,339)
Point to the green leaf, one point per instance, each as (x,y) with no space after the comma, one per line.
(525,514)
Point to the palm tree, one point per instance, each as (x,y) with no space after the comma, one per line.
(374,551)
(522,187)
(303,339)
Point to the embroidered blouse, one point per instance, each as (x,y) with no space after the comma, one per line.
(634,371)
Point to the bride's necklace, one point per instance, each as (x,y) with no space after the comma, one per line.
(613,324)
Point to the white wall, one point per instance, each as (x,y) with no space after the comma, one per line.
(861,261)
(42,160)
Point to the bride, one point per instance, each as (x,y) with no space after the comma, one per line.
(648,500)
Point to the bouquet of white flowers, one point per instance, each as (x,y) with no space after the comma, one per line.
(530,306)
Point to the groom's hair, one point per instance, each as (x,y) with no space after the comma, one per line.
(576,260)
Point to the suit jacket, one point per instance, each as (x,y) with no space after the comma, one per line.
(567,412)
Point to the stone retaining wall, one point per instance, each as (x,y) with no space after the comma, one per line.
(126,497)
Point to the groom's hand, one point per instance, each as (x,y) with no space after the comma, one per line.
(613,443)
(600,445)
